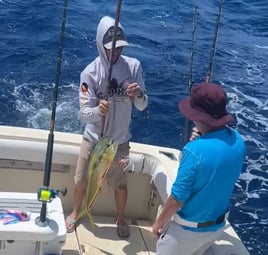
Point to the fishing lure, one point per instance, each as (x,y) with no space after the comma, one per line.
(13,216)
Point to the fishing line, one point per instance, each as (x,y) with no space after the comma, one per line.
(50,142)
(117,17)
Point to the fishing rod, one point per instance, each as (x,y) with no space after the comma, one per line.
(45,194)
(193,47)
(116,22)
(187,122)
(100,149)
(211,62)
(213,48)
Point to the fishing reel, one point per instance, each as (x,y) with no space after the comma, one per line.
(47,195)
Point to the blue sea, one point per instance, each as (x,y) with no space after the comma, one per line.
(160,36)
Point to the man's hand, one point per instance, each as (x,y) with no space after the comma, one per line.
(134,90)
(195,134)
(103,108)
(156,229)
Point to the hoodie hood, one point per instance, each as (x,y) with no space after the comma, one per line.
(105,23)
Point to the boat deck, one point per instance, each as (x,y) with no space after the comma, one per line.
(22,157)
(103,240)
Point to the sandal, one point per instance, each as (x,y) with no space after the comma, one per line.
(122,230)
(70,224)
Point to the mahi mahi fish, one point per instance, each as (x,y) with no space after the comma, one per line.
(101,159)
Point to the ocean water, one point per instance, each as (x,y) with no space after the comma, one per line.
(160,34)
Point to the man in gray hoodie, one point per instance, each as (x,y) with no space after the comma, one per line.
(126,89)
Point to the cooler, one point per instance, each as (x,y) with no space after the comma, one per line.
(21,237)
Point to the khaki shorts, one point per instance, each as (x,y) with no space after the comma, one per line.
(116,176)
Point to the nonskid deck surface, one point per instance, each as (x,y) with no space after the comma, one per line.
(103,240)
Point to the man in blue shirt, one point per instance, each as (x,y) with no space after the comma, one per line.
(195,212)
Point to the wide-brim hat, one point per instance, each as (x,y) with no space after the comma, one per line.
(120,38)
(207,104)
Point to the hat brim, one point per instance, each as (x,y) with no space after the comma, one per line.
(118,43)
(196,115)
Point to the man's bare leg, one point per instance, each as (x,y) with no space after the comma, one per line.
(121,201)
(78,196)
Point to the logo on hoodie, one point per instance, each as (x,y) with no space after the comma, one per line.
(116,89)
(84,88)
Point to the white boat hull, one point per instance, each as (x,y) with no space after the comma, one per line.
(22,157)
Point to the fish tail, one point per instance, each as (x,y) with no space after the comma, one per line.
(89,214)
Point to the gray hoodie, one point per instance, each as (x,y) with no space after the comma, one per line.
(93,83)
